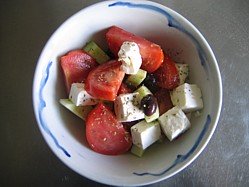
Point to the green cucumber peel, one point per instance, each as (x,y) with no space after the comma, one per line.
(96,52)
(137,151)
(136,79)
(80,111)
(153,117)
(143,91)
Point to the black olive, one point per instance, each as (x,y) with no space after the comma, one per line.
(149,104)
(109,53)
(151,82)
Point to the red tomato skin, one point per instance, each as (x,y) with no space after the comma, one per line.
(124,89)
(104,81)
(163,100)
(105,134)
(167,75)
(152,54)
(75,66)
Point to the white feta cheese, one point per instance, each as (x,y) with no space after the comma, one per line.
(130,57)
(144,134)
(79,96)
(174,122)
(183,70)
(127,107)
(188,97)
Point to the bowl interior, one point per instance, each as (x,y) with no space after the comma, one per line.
(65,133)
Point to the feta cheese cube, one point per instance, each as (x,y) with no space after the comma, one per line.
(127,107)
(188,97)
(183,70)
(174,122)
(79,96)
(144,134)
(130,56)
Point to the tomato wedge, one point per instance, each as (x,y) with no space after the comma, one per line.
(152,54)
(105,134)
(104,81)
(167,75)
(76,65)
(163,100)
(124,89)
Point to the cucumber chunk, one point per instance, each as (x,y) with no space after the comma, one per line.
(96,52)
(153,117)
(143,91)
(137,79)
(80,111)
(137,151)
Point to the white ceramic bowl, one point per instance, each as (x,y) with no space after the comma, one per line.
(65,133)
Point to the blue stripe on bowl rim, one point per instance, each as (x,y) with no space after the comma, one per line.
(42,105)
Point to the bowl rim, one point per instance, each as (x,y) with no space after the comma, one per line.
(215,118)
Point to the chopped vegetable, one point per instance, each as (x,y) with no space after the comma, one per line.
(104,81)
(167,75)
(75,66)
(152,54)
(137,79)
(96,52)
(105,134)
(80,111)
(137,150)
(137,98)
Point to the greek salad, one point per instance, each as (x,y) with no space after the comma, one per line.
(129,97)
